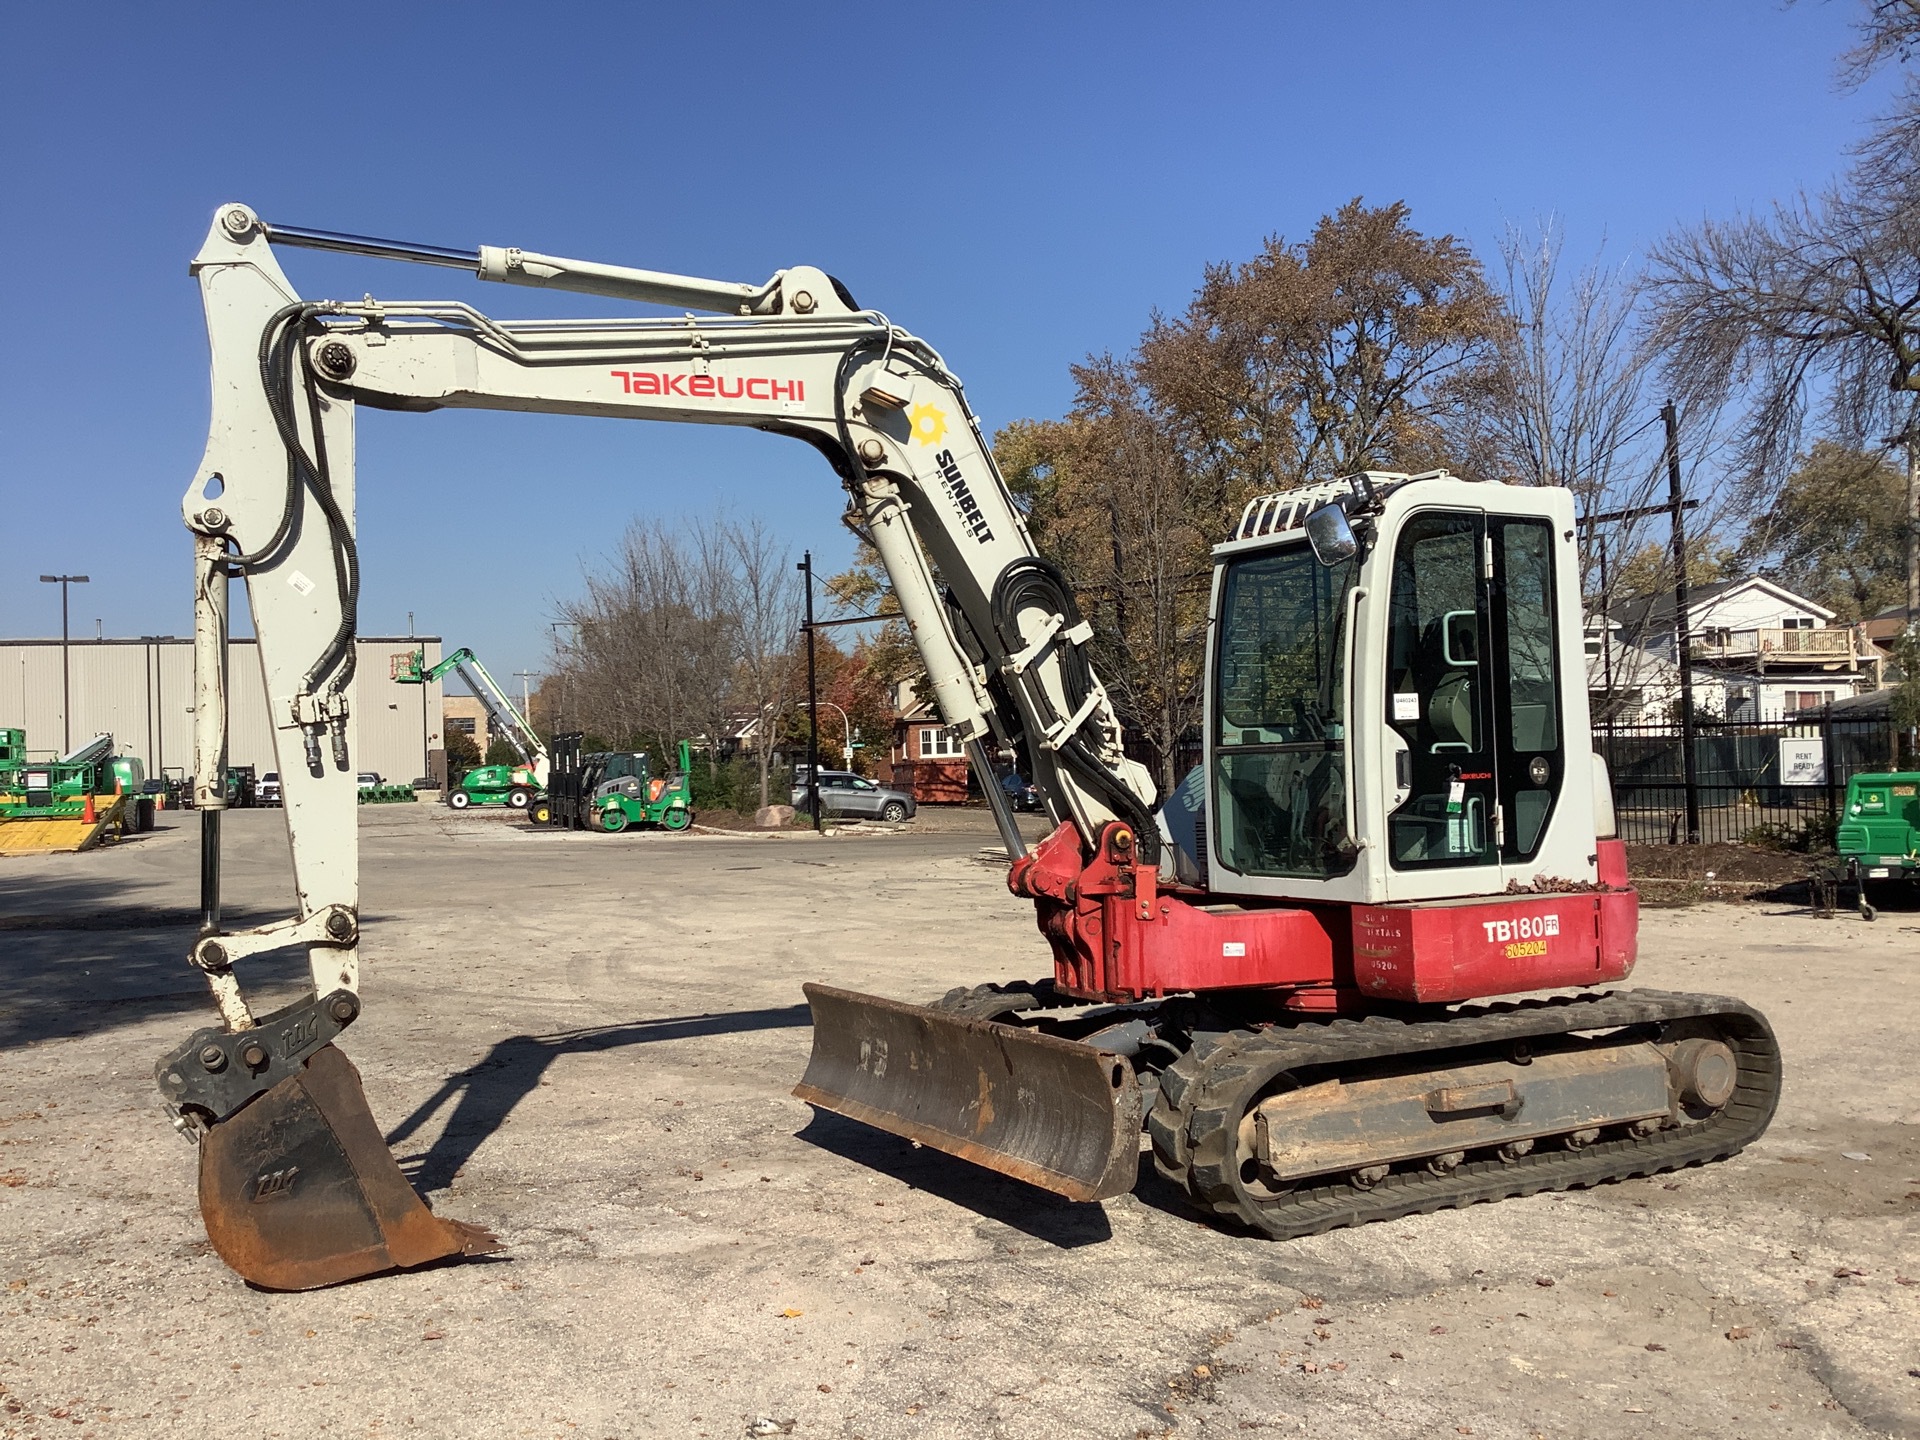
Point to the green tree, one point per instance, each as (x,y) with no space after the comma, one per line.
(499,752)
(462,753)
(1834,532)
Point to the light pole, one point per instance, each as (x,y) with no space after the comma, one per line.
(66,672)
(847,725)
(805,567)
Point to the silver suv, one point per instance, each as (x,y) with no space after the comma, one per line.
(856,797)
(267,792)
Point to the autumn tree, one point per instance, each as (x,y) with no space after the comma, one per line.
(1345,351)
(1116,503)
(1318,358)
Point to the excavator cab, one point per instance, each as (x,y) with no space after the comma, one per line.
(1387,716)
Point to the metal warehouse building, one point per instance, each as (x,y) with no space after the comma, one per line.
(141,692)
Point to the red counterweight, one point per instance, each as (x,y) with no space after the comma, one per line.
(1116,936)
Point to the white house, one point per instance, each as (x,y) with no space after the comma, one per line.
(1759,651)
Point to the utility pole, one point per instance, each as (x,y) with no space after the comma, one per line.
(66,672)
(426,741)
(805,567)
(526,699)
(1683,647)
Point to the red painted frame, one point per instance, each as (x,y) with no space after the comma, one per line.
(1116,936)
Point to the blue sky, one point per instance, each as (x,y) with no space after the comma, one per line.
(1019,184)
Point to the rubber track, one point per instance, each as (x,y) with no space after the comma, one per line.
(1194,1125)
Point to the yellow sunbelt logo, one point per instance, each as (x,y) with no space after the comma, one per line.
(929,423)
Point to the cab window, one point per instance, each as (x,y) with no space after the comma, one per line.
(1279,741)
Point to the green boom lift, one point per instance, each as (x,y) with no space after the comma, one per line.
(512,785)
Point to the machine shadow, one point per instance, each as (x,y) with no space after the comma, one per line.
(84,955)
(486,1092)
(1065,1224)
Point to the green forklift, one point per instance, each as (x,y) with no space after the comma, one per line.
(1879,835)
(513,786)
(613,790)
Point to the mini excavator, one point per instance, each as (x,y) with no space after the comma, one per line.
(1285,974)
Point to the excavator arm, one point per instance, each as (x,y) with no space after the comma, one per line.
(276,1110)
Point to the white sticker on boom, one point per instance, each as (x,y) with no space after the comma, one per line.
(1406,705)
(1233,948)
(300,583)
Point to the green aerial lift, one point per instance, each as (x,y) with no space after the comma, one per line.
(1879,833)
(515,785)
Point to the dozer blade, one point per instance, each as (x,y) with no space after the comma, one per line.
(299,1190)
(1063,1116)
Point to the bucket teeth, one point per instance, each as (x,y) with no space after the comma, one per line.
(299,1190)
(1056,1114)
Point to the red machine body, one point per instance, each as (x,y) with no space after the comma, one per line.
(1117,936)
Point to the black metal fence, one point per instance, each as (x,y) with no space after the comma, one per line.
(1758,781)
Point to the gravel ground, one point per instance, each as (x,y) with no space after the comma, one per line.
(587,1042)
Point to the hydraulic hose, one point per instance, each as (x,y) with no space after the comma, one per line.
(1038,582)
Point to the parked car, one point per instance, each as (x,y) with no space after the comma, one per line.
(857,798)
(427,782)
(267,792)
(370,777)
(1022,792)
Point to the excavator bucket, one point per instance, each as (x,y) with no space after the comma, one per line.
(299,1190)
(1057,1114)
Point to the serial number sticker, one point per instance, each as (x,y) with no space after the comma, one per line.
(1406,705)
(1520,949)
(1879,872)
(1233,948)
(300,582)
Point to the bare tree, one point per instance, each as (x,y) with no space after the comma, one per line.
(654,636)
(767,610)
(1811,310)
(1566,398)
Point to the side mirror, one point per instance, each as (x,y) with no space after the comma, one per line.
(1331,535)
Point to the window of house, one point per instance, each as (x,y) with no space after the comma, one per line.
(937,742)
(1797,700)
(460,724)
(1797,622)
(1720,636)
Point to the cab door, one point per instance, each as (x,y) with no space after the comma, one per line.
(1473,699)
(1443,828)
(1529,755)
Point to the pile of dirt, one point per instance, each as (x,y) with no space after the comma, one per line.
(1688,874)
